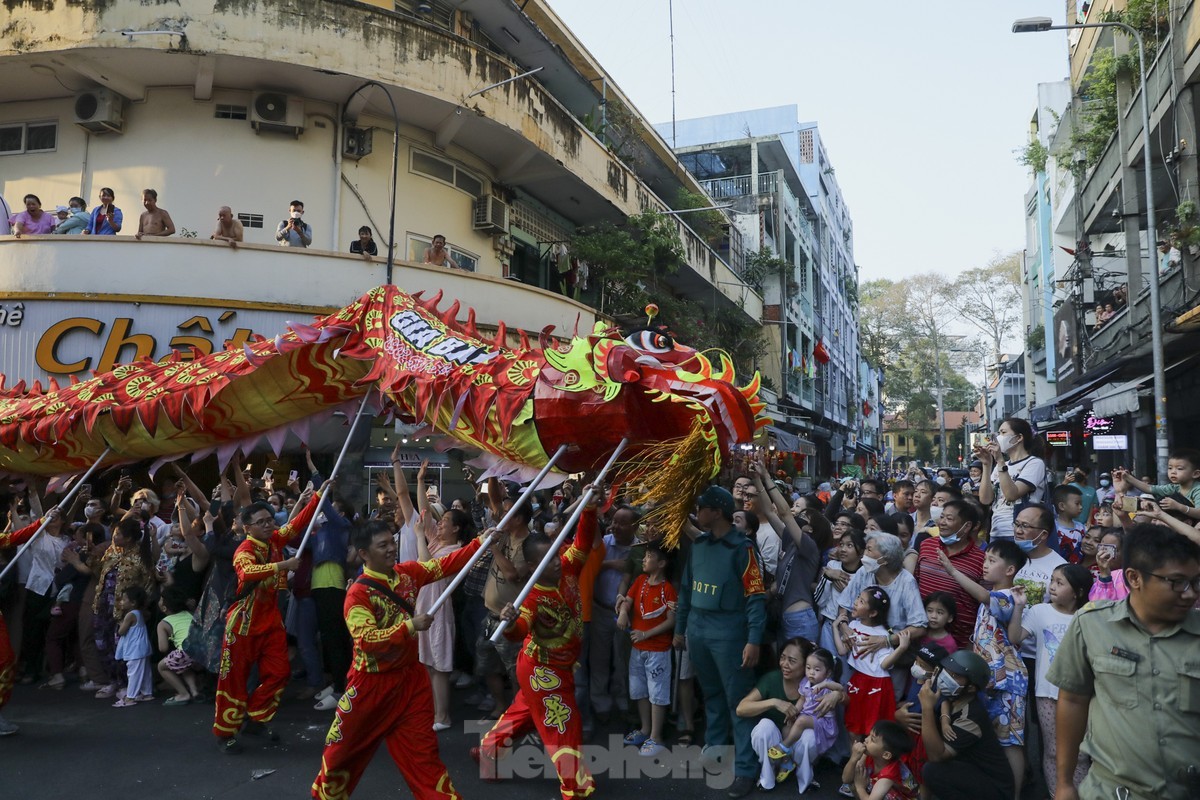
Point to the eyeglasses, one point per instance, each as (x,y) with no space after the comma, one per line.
(1179,585)
(749,495)
(260,522)
(1025,526)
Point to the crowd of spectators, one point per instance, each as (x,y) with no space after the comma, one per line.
(905,629)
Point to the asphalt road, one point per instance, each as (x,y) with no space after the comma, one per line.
(73,745)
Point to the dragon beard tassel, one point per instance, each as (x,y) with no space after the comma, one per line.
(671,475)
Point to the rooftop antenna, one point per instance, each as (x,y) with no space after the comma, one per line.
(671,24)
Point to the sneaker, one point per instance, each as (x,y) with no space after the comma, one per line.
(651,748)
(229,746)
(106,691)
(328,691)
(327,703)
(846,790)
(252,728)
(7,728)
(740,787)
(90,686)
(635,737)
(438,727)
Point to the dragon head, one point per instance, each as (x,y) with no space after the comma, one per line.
(649,387)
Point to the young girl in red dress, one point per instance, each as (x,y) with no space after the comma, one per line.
(871,697)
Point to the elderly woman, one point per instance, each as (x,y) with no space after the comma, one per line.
(883,566)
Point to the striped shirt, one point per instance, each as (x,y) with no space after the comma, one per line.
(932,577)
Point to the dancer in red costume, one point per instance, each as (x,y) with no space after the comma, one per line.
(551,622)
(8,661)
(388,697)
(254,634)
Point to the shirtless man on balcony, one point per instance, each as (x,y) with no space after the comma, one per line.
(229,229)
(154,221)
(438,255)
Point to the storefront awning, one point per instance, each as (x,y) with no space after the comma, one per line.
(1116,399)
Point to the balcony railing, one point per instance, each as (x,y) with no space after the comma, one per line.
(768,184)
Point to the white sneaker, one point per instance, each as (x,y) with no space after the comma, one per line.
(328,703)
(326,692)
(7,728)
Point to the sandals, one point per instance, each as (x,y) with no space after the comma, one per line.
(175,701)
(125,702)
(685,737)
(55,684)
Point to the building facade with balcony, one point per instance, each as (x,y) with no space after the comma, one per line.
(1099,343)
(781,189)
(508,136)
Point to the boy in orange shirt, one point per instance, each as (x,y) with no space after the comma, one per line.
(649,609)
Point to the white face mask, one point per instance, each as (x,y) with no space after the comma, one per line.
(941,480)
(1105,482)
(1006,442)
(918,673)
(870,563)
(297,214)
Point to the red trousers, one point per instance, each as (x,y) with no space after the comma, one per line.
(395,707)
(8,664)
(546,701)
(239,654)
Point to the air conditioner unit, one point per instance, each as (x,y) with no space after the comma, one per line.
(277,112)
(491,214)
(100,111)
(357,143)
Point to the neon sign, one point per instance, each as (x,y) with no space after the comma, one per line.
(1098,425)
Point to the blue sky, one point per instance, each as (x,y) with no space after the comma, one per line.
(921,105)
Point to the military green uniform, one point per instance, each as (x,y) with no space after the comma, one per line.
(722,607)
(1143,730)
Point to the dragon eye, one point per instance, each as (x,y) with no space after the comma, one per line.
(651,342)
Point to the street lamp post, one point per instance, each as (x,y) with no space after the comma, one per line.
(1036,25)
(391,259)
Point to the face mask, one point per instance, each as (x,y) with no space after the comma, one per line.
(919,675)
(1026,545)
(947,686)
(953,538)
(1006,442)
(941,480)
(297,214)
(1105,482)
(870,564)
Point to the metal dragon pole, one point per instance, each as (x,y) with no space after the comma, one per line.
(529,490)
(337,465)
(66,501)
(562,536)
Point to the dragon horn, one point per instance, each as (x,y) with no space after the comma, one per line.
(524,340)
(545,340)
(450,315)
(470,324)
(501,339)
(53,385)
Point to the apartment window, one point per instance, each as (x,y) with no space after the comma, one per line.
(417,245)
(445,171)
(28,137)
(250,220)
(900,441)
(225,111)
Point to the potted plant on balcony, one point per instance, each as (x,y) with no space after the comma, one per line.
(1186,230)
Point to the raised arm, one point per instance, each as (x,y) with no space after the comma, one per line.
(977,592)
(404,506)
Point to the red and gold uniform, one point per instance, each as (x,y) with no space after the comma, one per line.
(551,622)
(388,698)
(8,661)
(254,632)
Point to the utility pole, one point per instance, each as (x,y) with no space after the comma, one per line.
(941,411)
